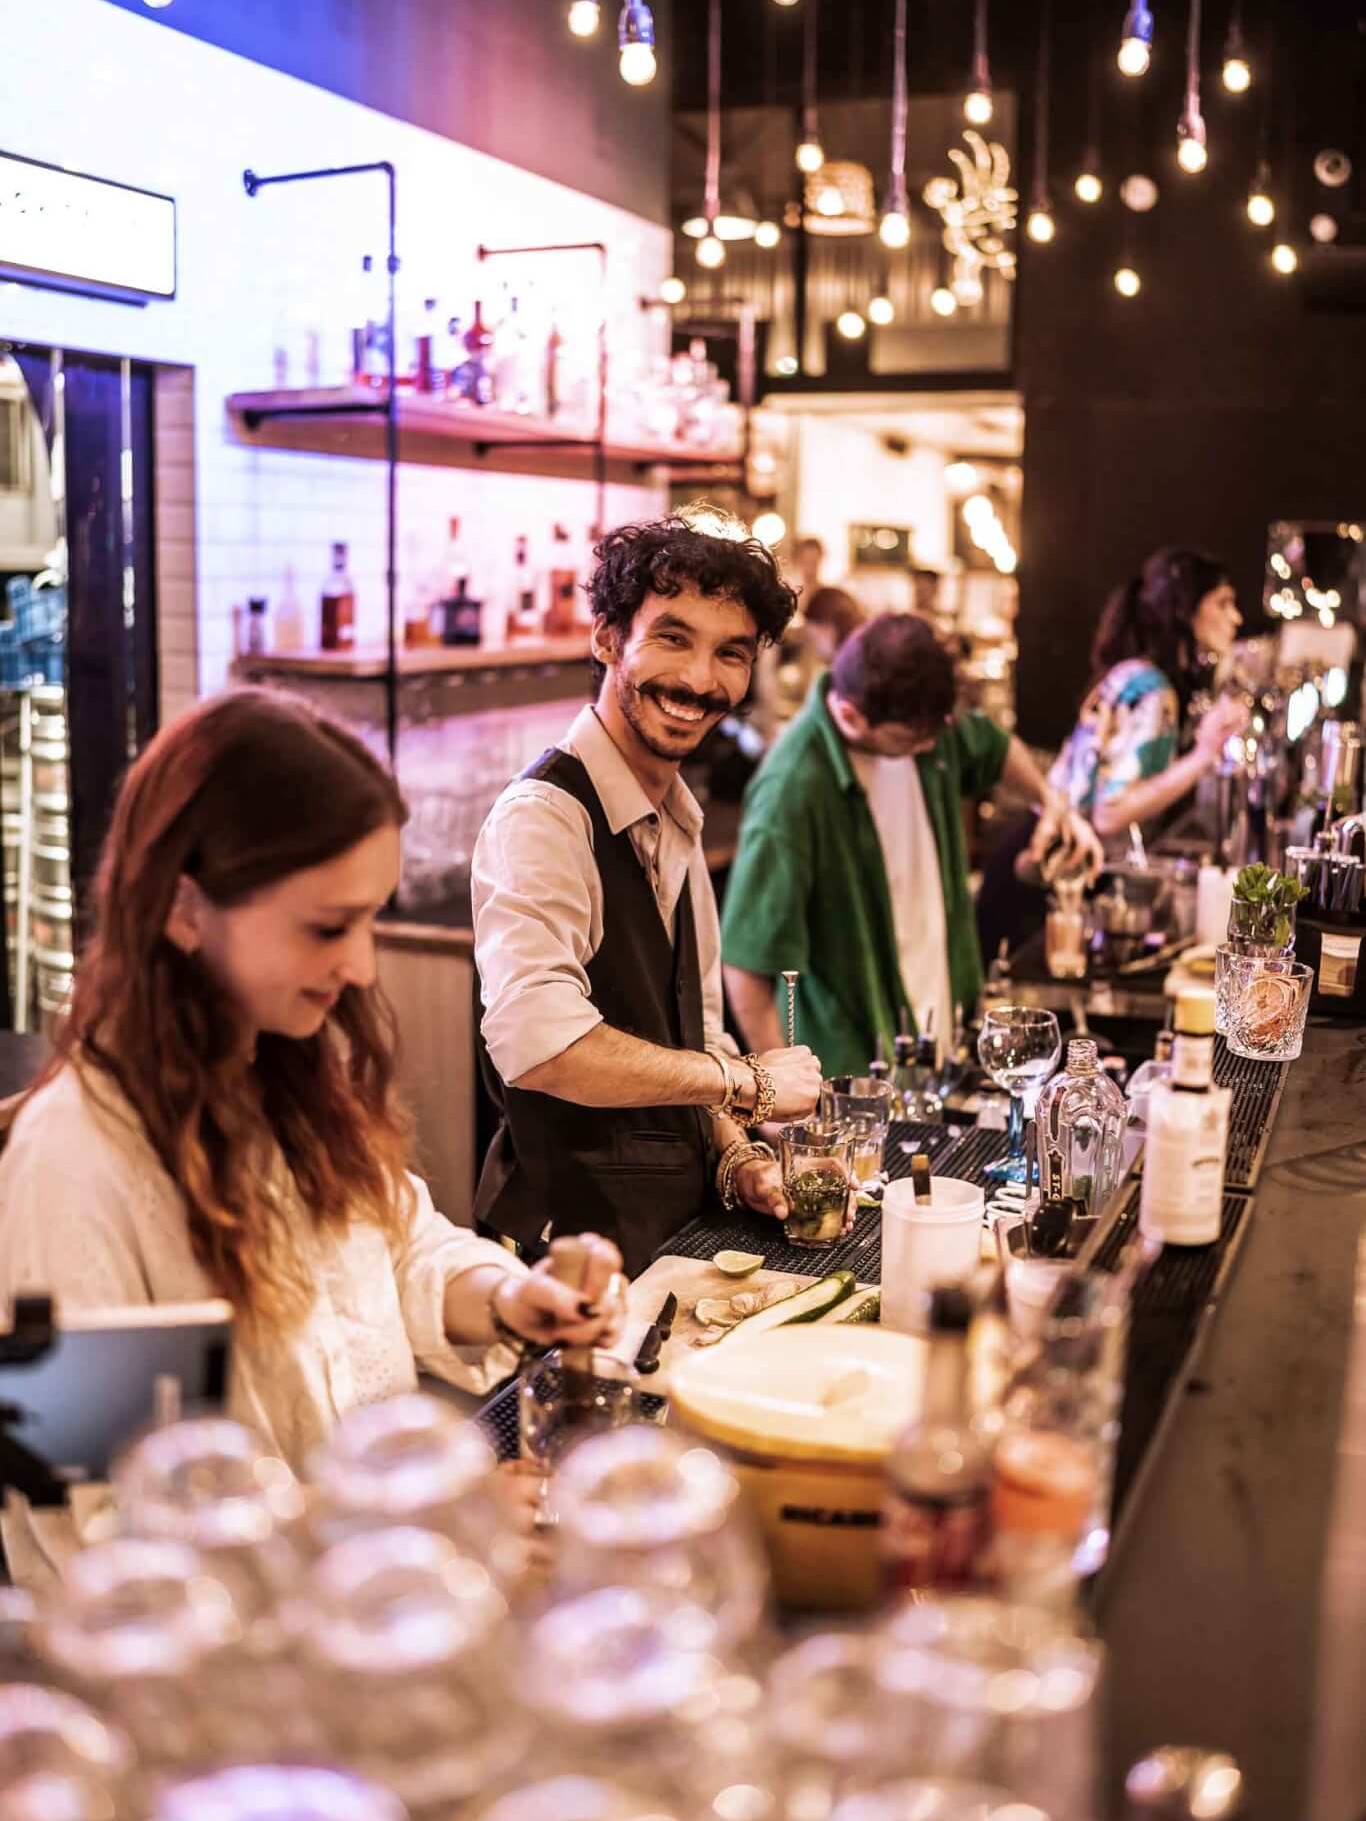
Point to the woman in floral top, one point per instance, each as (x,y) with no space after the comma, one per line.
(1120,763)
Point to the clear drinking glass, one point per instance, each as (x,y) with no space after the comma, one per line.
(565,1396)
(818,1173)
(864,1104)
(999,1695)
(278,1792)
(645,1508)
(59,1761)
(1019,1047)
(1265,1005)
(827,1717)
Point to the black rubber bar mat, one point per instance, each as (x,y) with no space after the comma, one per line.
(1257,1090)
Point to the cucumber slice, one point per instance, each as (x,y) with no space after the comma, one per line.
(806,1305)
(862,1306)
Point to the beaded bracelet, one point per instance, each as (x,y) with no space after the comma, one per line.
(742,1151)
(765,1094)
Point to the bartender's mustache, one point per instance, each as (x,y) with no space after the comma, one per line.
(716,703)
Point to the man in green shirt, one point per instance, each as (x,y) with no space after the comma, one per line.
(852,865)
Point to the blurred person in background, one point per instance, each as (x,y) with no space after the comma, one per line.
(808,559)
(830,615)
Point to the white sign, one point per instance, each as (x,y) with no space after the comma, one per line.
(83,233)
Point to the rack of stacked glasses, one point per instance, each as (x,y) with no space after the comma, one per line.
(35,807)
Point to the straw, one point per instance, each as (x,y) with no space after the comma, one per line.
(920,1179)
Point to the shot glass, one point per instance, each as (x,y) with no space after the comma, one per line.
(864,1104)
(818,1173)
(923,1246)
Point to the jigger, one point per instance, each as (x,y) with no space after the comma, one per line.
(791,976)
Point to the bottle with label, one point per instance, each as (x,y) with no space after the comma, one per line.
(512,387)
(474,375)
(1187,1144)
(554,348)
(257,608)
(526,620)
(937,1530)
(338,606)
(426,352)
(903,1076)
(1079,1131)
(561,612)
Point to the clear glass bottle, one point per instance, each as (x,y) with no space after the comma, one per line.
(939,1474)
(1187,1145)
(1079,1130)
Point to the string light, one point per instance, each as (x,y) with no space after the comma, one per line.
(942,301)
(1088,186)
(1323,229)
(767,235)
(1284,258)
(1191,151)
(810,153)
(1138,193)
(881,311)
(894,230)
(978,106)
(1127,282)
(810,156)
(1192,154)
(1237,70)
(851,325)
(636,43)
(1136,43)
(1261,206)
(711,253)
(770,528)
(673,291)
(1040,226)
(585,16)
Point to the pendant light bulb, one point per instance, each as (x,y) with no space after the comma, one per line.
(1261,208)
(942,301)
(810,156)
(1041,227)
(1089,187)
(851,325)
(1285,259)
(711,252)
(1237,70)
(881,311)
(1192,153)
(894,230)
(636,42)
(1136,43)
(585,16)
(978,107)
(673,291)
(1127,282)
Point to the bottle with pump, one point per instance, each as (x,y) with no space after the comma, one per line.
(337,631)
(1187,1143)
(937,1532)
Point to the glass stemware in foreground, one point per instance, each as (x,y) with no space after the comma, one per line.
(1019,1048)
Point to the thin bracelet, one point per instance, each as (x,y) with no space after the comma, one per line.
(726,1105)
(741,1152)
(505,1335)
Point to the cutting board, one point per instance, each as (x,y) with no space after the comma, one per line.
(690,1280)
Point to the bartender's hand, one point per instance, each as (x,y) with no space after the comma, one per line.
(1059,826)
(796,1081)
(759,1184)
(548,1312)
(1228,716)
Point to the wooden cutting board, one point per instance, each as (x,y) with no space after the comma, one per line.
(691,1280)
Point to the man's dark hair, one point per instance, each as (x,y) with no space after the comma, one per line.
(668,555)
(895,669)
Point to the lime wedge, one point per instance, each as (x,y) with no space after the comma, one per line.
(738,1264)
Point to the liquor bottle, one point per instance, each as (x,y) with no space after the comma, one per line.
(338,627)
(937,1529)
(526,614)
(473,378)
(1079,1132)
(426,364)
(257,608)
(561,611)
(457,616)
(903,1076)
(511,362)
(1183,1164)
(554,349)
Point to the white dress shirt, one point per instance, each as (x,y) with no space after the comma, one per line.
(88,1213)
(538,900)
(911,857)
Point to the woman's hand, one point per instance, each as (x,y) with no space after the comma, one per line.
(548,1312)
(1217,727)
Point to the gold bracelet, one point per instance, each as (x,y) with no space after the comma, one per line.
(727,1103)
(743,1150)
(765,1094)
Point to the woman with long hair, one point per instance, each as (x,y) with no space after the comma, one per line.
(1157,637)
(220,1119)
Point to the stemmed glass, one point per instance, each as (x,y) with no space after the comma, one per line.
(1019,1048)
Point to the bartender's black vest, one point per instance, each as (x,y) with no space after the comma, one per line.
(634,1174)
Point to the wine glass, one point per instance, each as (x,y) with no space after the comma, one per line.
(1019,1048)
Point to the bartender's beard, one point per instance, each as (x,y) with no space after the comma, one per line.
(669,719)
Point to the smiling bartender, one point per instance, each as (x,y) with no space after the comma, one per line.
(595,926)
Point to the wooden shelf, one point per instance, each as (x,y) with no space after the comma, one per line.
(371,661)
(349,420)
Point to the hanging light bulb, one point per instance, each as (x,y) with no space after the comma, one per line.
(810,156)
(1237,70)
(1261,206)
(786,2)
(1136,43)
(1192,153)
(942,301)
(770,527)
(1127,282)
(711,252)
(636,42)
(894,230)
(1324,229)
(767,235)
(851,325)
(1040,225)
(585,16)
(1088,187)
(672,291)
(1284,258)
(978,107)
(881,311)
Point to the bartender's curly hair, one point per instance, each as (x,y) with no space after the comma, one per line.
(235,795)
(703,548)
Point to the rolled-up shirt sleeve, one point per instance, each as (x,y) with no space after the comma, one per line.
(534,913)
(432,1252)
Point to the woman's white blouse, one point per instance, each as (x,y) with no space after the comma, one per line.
(88,1213)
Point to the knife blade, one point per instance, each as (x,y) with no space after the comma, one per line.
(668,1314)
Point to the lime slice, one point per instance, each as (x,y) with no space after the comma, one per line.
(715,1311)
(738,1264)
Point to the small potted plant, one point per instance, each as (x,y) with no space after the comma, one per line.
(1261,920)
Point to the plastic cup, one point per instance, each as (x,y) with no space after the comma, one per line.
(923,1246)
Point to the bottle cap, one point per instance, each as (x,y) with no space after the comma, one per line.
(1083,1057)
(257,604)
(1195,1012)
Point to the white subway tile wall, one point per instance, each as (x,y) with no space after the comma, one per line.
(268,291)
